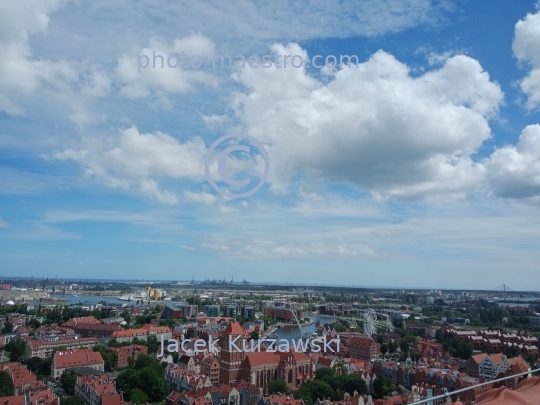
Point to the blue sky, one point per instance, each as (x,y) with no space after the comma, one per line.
(418,168)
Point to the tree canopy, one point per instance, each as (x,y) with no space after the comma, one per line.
(327,384)
(16,348)
(458,348)
(146,377)
(278,386)
(383,387)
(5,385)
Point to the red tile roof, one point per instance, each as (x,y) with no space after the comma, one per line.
(527,393)
(479,357)
(234,328)
(360,341)
(77,358)
(151,328)
(284,400)
(78,321)
(13,400)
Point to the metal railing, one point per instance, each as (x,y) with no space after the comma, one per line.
(452,393)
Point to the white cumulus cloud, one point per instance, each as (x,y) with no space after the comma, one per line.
(373,125)
(158,68)
(514,171)
(20,73)
(138,160)
(526,47)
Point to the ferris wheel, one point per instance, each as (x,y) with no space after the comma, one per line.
(370,322)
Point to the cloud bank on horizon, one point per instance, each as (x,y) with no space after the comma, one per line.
(425,155)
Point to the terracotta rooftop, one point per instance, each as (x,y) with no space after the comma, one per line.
(527,393)
(497,358)
(234,328)
(77,358)
(261,358)
(361,341)
(13,400)
(97,326)
(83,319)
(479,357)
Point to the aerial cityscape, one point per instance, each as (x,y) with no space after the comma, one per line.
(248,202)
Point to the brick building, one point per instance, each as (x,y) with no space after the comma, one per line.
(282,314)
(364,348)
(128,352)
(98,330)
(98,390)
(261,368)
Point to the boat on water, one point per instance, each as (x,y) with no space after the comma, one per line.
(126,298)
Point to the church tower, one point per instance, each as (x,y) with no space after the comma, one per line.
(231,358)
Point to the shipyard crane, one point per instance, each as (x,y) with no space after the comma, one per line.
(54,286)
(33,281)
(44,283)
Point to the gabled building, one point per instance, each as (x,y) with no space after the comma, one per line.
(68,360)
(78,321)
(142,333)
(491,366)
(260,367)
(472,366)
(364,348)
(98,390)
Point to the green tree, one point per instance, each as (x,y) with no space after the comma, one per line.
(35,364)
(384,348)
(138,397)
(439,335)
(46,367)
(16,348)
(147,376)
(277,386)
(145,361)
(458,348)
(127,317)
(153,344)
(174,356)
(109,357)
(350,383)
(8,327)
(325,374)
(383,387)
(255,335)
(68,381)
(304,394)
(34,323)
(152,384)
(5,385)
(320,389)
(126,381)
(73,400)
(404,346)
